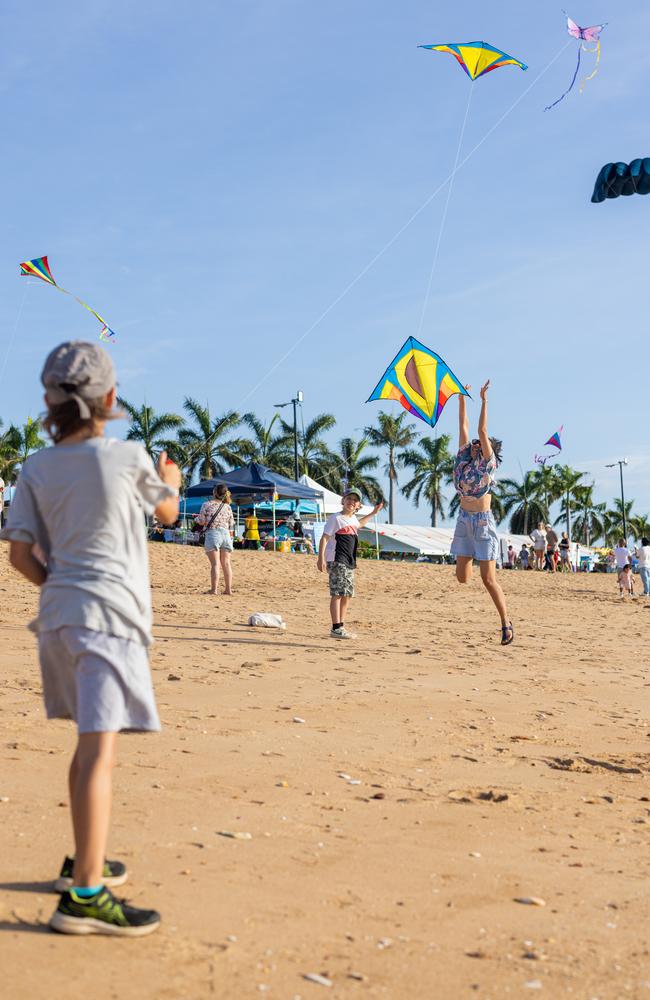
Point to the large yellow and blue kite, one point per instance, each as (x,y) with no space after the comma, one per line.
(476,58)
(420,380)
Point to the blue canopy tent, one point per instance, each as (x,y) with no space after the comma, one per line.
(255,483)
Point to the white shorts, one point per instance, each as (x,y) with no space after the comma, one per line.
(101,681)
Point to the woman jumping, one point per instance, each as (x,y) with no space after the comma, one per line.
(476,534)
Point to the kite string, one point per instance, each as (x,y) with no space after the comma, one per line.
(14,331)
(348,288)
(351,284)
(436,253)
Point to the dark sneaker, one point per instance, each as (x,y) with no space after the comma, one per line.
(114,874)
(102,914)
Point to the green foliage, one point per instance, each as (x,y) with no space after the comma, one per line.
(433,466)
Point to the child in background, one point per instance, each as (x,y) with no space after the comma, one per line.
(82,504)
(524,556)
(625,581)
(338,550)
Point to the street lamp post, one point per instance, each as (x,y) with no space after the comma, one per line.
(621,462)
(295,403)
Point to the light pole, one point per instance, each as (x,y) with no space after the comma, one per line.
(621,462)
(295,403)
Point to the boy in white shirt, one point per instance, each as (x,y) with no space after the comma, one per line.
(338,551)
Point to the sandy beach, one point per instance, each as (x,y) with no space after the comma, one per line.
(401,793)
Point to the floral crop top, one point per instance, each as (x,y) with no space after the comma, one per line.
(474,477)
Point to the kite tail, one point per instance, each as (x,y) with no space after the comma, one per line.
(592,75)
(571,86)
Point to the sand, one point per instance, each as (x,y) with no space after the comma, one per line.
(476,776)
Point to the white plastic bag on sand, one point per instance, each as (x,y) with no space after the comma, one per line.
(262,619)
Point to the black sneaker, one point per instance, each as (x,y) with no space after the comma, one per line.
(114,874)
(102,914)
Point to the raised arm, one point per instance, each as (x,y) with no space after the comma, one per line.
(486,444)
(463,422)
(373,513)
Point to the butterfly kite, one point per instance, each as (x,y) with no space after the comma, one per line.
(555,441)
(582,35)
(420,380)
(39,268)
(476,58)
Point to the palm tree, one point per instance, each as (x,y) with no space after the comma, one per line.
(393,435)
(149,427)
(433,465)
(350,468)
(589,516)
(9,452)
(639,525)
(314,457)
(266,447)
(524,500)
(27,439)
(546,483)
(613,521)
(206,448)
(567,479)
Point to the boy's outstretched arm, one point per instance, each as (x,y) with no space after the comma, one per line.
(373,513)
(23,559)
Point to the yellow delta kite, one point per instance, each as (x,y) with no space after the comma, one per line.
(476,58)
(420,380)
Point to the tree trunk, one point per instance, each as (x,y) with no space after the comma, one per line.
(526,520)
(568,516)
(434,514)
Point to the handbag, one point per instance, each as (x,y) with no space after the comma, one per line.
(203,529)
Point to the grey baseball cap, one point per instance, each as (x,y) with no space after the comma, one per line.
(77,370)
(353,492)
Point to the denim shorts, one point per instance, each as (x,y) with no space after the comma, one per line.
(476,536)
(218,538)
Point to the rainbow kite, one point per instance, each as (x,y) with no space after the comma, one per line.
(39,268)
(420,380)
(476,58)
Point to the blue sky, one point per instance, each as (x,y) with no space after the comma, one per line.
(211,180)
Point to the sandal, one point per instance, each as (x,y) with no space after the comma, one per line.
(505,641)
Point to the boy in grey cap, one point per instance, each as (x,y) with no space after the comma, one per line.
(83,504)
(338,551)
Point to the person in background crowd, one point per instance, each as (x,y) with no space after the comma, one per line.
(622,554)
(512,557)
(538,536)
(252,532)
(643,556)
(565,553)
(551,548)
(625,581)
(524,556)
(217,518)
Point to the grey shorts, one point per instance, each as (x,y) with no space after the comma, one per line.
(218,538)
(476,536)
(341,580)
(101,681)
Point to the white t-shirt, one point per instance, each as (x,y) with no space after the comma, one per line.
(342,539)
(622,555)
(84,504)
(539,539)
(643,555)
